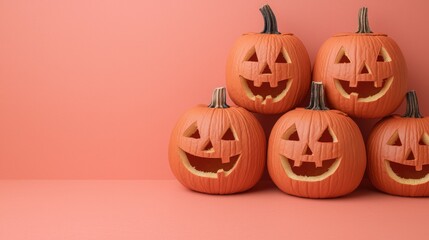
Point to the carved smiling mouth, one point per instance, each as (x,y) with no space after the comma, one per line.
(265,92)
(208,167)
(407,174)
(366,91)
(308,171)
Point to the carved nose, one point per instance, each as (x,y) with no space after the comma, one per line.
(266,70)
(307,150)
(208,146)
(365,69)
(411,155)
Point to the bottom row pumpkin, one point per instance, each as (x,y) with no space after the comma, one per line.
(316,152)
(398,152)
(217,149)
(313,152)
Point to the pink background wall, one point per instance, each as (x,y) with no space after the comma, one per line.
(91,89)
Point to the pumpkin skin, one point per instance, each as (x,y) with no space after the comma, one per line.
(398,153)
(364,73)
(268,72)
(316,152)
(217,149)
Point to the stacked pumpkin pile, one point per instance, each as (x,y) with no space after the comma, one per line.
(314,152)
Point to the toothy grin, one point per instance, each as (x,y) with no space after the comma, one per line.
(406,174)
(364,91)
(309,171)
(265,92)
(208,167)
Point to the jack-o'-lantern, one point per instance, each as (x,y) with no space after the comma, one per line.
(398,152)
(217,149)
(364,73)
(268,72)
(316,152)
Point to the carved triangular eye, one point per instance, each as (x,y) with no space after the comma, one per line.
(383,56)
(327,136)
(195,135)
(229,135)
(252,57)
(394,140)
(291,134)
(281,58)
(342,57)
(192,131)
(424,140)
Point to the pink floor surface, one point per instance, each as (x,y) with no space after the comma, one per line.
(125,210)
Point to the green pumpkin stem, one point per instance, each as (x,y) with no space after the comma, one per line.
(270,22)
(317,97)
(219,98)
(412,110)
(363,21)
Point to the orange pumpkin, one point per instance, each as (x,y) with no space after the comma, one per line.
(364,72)
(398,152)
(217,149)
(268,72)
(316,152)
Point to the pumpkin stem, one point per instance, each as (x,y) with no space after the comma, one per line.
(317,97)
(363,21)
(219,98)
(412,106)
(270,22)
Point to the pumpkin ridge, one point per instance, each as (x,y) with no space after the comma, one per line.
(244,118)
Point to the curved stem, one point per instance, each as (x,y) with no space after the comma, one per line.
(270,21)
(317,97)
(265,16)
(412,106)
(363,21)
(219,98)
(273,20)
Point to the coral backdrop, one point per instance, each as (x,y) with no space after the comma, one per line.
(91,89)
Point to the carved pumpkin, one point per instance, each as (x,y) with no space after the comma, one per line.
(268,72)
(398,152)
(316,152)
(217,149)
(364,72)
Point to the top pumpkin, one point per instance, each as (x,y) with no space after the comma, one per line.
(268,72)
(364,73)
